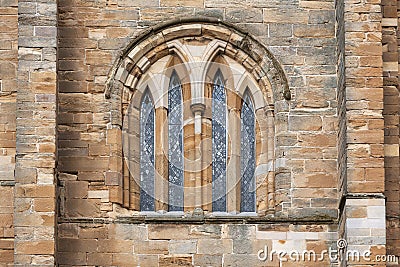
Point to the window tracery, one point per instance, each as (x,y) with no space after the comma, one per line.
(211,147)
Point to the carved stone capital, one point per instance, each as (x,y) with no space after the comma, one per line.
(198,108)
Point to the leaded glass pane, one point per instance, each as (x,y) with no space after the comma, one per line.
(147,154)
(219,144)
(175,144)
(247,159)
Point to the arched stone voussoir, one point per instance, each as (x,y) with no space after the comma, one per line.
(155,42)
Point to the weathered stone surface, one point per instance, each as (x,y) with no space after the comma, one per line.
(288,15)
(305,123)
(240,15)
(151,247)
(205,231)
(60,139)
(77,245)
(8,88)
(124,259)
(208,260)
(184,3)
(122,246)
(129,232)
(82,208)
(242,260)
(166,232)
(182,247)
(35,247)
(175,261)
(214,246)
(240,232)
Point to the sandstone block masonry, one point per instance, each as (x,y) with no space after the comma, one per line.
(8,89)
(391,114)
(35,213)
(335,146)
(126,244)
(89,46)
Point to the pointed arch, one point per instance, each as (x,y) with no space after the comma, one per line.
(219,143)
(157,42)
(147,155)
(248,155)
(166,58)
(175,143)
(247,85)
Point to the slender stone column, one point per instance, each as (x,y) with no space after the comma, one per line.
(233,168)
(161,164)
(271,161)
(198,111)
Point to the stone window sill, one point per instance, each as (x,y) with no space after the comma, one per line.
(176,219)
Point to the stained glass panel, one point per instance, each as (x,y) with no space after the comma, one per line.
(147,154)
(219,144)
(175,144)
(247,200)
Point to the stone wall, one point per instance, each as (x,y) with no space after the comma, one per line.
(92,36)
(391,116)
(336,139)
(125,244)
(8,88)
(363,200)
(35,213)
(301,35)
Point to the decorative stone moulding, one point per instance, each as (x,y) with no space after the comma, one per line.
(157,42)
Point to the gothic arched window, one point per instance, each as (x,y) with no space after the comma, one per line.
(219,144)
(147,202)
(247,159)
(200,138)
(175,143)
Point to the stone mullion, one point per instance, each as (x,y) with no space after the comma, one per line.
(233,168)
(36,135)
(189,166)
(161,163)
(198,159)
(206,149)
(194,170)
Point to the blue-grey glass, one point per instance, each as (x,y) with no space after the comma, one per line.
(175,144)
(147,202)
(247,159)
(219,145)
